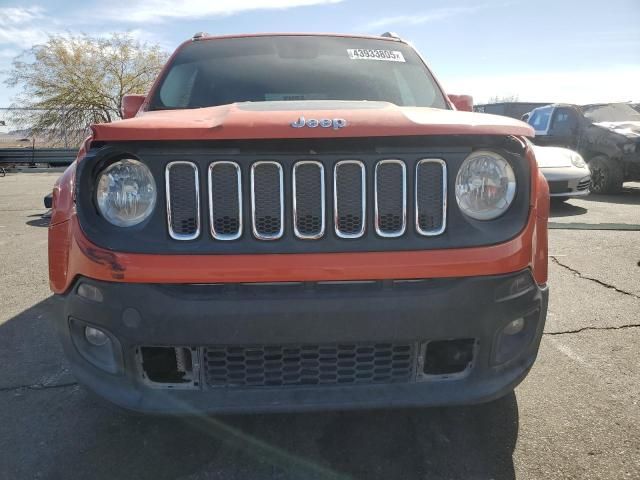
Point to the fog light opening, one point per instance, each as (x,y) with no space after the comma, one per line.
(515,337)
(96,346)
(96,337)
(449,357)
(169,367)
(514,327)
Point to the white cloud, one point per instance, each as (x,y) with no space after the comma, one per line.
(18,15)
(430,16)
(19,26)
(158,10)
(613,84)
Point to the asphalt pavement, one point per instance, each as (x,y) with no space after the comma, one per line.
(577,415)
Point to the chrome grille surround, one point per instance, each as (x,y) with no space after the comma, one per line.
(443,196)
(300,207)
(345,223)
(265,222)
(227,196)
(171,217)
(385,191)
(212,203)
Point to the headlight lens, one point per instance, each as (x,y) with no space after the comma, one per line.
(485,185)
(577,160)
(126,193)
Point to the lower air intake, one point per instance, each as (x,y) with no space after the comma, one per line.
(282,365)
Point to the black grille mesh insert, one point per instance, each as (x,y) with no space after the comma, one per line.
(225,203)
(267,200)
(349,193)
(309,199)
(429,196)
(279,365)
(390,197)
(183,199)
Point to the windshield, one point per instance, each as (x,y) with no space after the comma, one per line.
(539,119)
(612,112)
(283,68)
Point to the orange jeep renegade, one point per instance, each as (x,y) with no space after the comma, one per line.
(293,221)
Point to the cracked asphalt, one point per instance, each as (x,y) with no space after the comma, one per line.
(577,415)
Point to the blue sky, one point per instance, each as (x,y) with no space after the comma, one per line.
(540,50)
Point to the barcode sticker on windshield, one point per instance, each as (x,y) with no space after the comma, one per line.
(381,55)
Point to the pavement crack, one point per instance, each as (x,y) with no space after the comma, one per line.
(591,279)
(583,329)
(37,386)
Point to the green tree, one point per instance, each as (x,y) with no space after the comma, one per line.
(72,81)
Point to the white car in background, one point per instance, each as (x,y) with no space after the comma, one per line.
(565,170)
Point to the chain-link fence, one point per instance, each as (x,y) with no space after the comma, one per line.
(18,130)
(24,140)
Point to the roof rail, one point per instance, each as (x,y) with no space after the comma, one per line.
(391,35)
(199,35)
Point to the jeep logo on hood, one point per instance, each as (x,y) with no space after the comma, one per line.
(335,123)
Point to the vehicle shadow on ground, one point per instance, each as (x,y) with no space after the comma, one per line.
(563,209)
(630,195)
(59,430)
(38,220)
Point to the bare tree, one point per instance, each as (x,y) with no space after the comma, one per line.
(72,81)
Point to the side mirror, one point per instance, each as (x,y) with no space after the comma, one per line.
(462,102)
(131,103)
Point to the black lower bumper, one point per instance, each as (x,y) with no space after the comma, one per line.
(199,316)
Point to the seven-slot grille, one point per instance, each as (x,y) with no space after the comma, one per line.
(309,188)
(278,365)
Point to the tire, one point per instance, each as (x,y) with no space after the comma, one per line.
(606,175)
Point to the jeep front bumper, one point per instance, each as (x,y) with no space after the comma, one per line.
(304,346)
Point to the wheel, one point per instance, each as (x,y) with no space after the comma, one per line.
(606,175)
(3,172)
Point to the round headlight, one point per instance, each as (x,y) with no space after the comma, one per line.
(126,193)
(577,160)
(485,185)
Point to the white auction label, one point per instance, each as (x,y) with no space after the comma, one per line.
(380,55)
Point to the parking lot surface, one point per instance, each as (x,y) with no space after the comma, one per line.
(577,415)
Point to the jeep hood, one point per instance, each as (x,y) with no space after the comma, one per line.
(273,120)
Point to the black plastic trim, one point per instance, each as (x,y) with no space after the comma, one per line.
(151,236)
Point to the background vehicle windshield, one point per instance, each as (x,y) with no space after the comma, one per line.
(259,69)
(539,119)
(612,112)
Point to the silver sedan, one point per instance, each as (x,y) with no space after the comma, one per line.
(565,170)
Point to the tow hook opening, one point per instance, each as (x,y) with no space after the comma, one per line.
(449,357)
(169,367)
